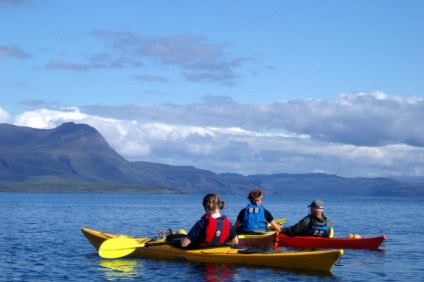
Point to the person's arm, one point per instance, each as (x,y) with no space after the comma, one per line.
(276,226)
(185,242)
(234,240)
(192,235)
(270,219)
(239,219)
(298,228)
(233,235)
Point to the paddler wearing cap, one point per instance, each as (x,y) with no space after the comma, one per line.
(314,224)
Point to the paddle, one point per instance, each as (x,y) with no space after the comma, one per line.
(122,246)
(331,233)
(279,221)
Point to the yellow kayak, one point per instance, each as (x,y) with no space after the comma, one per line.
(160,249)
(258,239)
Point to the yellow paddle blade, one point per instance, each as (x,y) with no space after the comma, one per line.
(331,233)
(118,247)
(279,221)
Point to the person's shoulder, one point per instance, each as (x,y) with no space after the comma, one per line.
(327,220)
(202,220)
(306,218)
(266,211)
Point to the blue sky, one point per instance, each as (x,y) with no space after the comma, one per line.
(229,86)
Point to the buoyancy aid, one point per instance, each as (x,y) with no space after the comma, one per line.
(317,229)
(217,231)
(254,219)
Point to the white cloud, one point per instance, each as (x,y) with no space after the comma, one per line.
(353,135)
(4,116)
(47,118)
(360,119)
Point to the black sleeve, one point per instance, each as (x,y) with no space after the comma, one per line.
(268,216)
(241,215)
(299,227)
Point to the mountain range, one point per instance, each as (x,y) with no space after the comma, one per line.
(76,158)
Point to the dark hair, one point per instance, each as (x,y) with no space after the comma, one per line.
(254,194)
(212,201)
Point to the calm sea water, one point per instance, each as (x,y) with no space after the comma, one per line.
(40,238)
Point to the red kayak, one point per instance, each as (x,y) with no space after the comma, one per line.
(309,242)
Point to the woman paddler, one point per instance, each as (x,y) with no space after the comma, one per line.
(213,229)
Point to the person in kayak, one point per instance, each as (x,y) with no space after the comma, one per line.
(314,224)
(255,218)
(213,229)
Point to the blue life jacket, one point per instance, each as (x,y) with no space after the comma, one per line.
(254,219)
(316,230)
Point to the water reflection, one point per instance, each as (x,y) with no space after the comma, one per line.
(216,272)
(223,272)
(117,269)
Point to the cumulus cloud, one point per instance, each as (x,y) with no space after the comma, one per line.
(4,116)
(47,118)
(353,135)
(122,135)
(357,119)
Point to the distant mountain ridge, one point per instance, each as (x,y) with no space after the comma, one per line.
(76,158)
